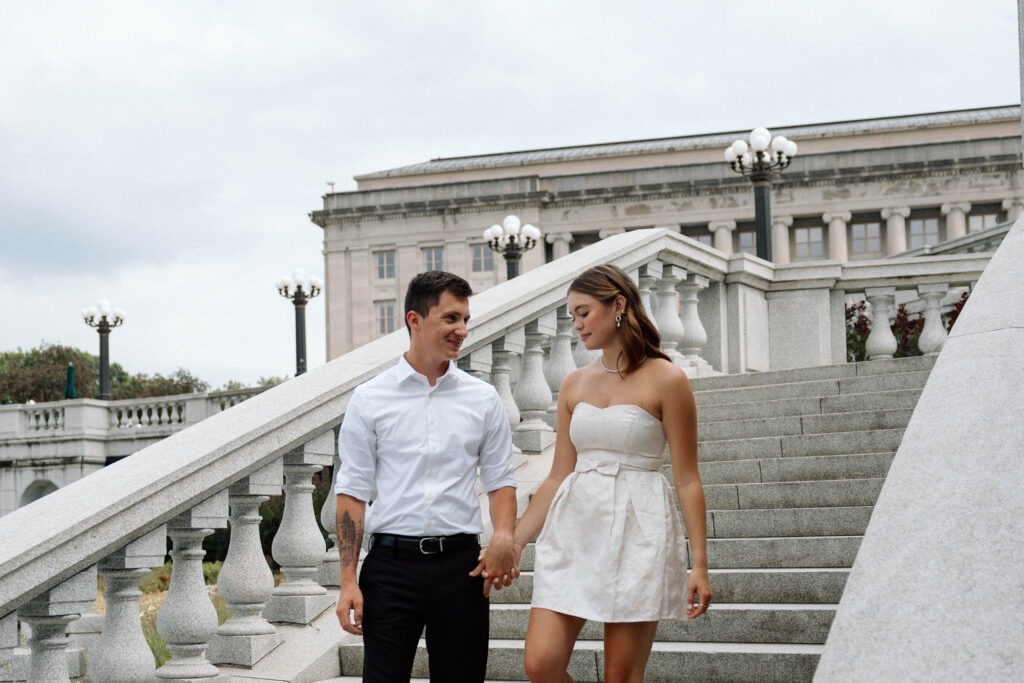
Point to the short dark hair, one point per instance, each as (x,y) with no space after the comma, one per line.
(426,288)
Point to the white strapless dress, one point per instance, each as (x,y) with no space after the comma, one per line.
(612,548)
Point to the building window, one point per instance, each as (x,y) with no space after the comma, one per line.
(433,258)
(385,265)
(810,242)
(923,231)
(385,317)
(483,258)
(867,238)
(981,221)
(748,244)
(704,239)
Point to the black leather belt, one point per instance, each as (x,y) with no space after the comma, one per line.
(428,545)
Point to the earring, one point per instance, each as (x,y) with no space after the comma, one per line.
(618,320)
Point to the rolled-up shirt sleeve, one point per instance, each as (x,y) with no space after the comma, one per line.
(357,449)
(496,469)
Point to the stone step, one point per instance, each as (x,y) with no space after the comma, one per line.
(815,373)
(804,424)
(754,585)
(784,551)
(669,661)
(806,468)
(823,493)
(813,388)
(724,622)
(899,399)
(837,443)
(789,522)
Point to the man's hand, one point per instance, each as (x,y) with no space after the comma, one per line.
(498,563)
(351,600)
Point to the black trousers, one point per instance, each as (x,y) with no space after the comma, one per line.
(403,593)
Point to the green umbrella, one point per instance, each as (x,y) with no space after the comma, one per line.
(69,387)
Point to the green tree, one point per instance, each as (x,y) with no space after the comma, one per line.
(39,375)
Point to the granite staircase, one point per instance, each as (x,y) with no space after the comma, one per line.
(792,462)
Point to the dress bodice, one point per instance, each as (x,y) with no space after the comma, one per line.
(624,433)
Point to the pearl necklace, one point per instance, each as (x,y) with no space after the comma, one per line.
(616,371)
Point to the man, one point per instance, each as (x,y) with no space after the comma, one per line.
(417,434)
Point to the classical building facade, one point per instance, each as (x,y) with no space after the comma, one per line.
(857,190)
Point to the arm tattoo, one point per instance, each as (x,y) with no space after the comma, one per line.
(350,539)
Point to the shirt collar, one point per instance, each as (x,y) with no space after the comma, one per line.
(406,371)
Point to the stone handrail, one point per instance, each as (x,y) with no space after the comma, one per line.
(715,312)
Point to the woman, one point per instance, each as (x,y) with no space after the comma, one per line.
(612,547)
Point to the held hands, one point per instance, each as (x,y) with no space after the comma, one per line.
(499,563)
(351,600)
(697,584)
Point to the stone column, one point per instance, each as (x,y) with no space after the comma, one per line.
(123,655)
(298,546)
(532,395)
(245,581)
(605,233)
(1014,207)
(48,615)
(669,323)
(836,221)
(647,280)
(780,239)
(722,230)
(187,619)
(881,342)
(559,242)
(895,229)
(956,219)
(933,336)
(694,334)
(560,362)
(478,363)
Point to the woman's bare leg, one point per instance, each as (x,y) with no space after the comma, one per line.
(550,637)
(627,647)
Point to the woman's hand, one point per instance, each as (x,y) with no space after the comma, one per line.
(697,585)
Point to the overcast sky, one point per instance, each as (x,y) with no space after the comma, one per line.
(166,155)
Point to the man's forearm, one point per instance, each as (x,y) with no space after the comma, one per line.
(350,516)
(502,503)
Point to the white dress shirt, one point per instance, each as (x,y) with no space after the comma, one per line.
(419,446)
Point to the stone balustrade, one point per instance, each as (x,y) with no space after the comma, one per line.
(722,313)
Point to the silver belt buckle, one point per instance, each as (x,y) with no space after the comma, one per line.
(440,545)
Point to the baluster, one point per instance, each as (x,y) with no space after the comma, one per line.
(647,280)
(881,342)
(502,351)
(532,395)
(298,545)
(48,615)
(245,581)
(123,655)
(933,336)
(187,619)
(669,323)
(330,569)
(9,669)
(694,335)
(560,363)
(478,363)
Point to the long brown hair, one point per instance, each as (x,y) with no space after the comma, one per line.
(637,334)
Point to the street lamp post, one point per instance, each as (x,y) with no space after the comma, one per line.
(104,318)
(511,239)
(299,289)
(759,167)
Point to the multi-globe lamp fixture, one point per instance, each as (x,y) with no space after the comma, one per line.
(757,160)
(104,318)
(511,239)
(299,288)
